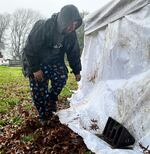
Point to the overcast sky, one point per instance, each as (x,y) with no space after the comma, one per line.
(47,7)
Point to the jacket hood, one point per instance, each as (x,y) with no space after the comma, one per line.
(66,16)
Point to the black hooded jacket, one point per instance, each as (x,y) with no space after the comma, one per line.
(47,44)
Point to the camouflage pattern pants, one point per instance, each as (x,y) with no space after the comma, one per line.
(44,98)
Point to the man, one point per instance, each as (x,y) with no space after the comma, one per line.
(43,58)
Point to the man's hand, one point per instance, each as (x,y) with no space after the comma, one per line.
(38,75)
(78,77)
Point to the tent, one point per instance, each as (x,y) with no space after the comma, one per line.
(115,76)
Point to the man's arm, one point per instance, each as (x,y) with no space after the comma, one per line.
(73,55)
(33,46)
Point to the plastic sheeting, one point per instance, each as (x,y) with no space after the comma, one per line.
(115,82)
(112,11)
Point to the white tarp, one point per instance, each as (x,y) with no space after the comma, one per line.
(114,10)
(115,80)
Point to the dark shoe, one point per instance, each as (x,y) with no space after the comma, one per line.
(53,107)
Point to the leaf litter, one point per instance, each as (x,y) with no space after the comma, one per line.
(28,136)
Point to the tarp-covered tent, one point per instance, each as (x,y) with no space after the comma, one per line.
(115,75)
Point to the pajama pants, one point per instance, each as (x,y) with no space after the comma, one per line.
(44,98)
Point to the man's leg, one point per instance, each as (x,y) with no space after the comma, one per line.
(40,96)
(57,73)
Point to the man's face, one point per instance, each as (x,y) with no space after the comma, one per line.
(72,27)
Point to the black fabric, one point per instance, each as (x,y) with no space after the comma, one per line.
(44,98)
(72,49)
(46,45)
(67,15)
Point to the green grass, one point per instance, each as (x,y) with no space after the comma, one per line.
(16,120)
(88,152)
(12,101)
(27,106)
(27,138)
(13,86)
(9,74)
(7,103)
(3,122)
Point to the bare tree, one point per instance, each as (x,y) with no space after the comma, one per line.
(4,23)
(22,22)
